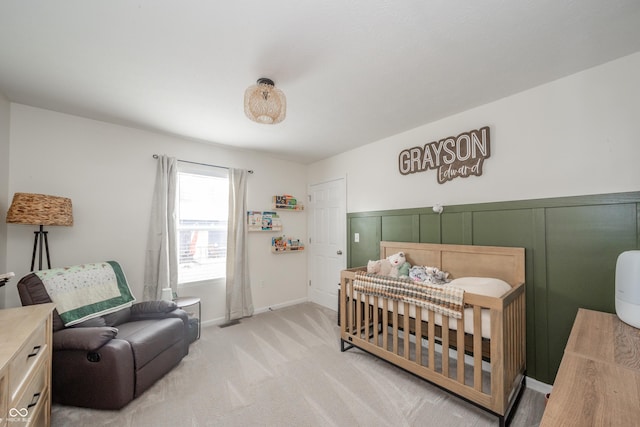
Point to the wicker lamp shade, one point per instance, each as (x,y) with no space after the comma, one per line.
(40,209)
(264,103)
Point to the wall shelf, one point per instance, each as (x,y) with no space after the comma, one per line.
(285,244)
(263,221)
(276,250)
(286,202)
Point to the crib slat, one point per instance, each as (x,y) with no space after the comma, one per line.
(385,323)
(431,328)
(407,335)
(350,302)
(395,327)
(510,344)
(477,348)
(376,320)
(365,318)
(460,346)
(358,302)
(445,346)
(418,335)
(519,334)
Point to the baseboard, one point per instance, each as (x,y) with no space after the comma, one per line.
(221,320)
(278,306)
(536,385)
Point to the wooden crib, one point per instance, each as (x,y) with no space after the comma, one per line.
(488,370)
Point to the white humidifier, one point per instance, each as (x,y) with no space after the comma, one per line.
(628,288)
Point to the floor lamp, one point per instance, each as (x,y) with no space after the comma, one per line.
(40,210)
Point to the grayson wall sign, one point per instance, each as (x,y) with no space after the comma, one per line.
(453,157)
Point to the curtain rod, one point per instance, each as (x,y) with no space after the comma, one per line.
(155,156)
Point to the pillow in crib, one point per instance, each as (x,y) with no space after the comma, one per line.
(482,286)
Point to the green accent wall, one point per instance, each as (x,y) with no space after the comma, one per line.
(571,243)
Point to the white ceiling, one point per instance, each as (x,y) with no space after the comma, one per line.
(353,71)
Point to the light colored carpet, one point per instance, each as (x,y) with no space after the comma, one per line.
(285,368)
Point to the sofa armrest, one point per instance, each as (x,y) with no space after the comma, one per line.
(86,339)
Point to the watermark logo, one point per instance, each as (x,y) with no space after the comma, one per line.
(18,415)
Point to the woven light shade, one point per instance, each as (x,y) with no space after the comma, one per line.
(264,103)
(40,209)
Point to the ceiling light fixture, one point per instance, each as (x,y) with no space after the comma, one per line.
(264,103)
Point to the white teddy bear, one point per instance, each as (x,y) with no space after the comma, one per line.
(399,265)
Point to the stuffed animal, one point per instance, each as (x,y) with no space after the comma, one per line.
(429,275)
(418,273)
(381,266)
(437,276)
(373,266)
(399,265)
(403,270)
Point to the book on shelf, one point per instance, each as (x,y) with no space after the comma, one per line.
(254,220)
(286,202)
(263,221)
(283,243)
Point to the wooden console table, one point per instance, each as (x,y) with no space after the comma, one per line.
(598,383)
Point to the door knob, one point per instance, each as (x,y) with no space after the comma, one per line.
(339,252)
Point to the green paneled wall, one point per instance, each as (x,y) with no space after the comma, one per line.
(368,247)
(571,243)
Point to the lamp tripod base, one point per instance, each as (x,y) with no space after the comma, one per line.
(40,237)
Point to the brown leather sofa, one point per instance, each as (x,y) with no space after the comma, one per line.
(106,362)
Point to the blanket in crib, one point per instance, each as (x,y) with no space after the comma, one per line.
(86,291)
(446,300)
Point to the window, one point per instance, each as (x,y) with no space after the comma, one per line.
(203,209)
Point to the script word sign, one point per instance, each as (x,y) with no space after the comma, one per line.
(453,157)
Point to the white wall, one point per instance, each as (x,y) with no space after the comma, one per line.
(4,184)
(575,136)
(108,172)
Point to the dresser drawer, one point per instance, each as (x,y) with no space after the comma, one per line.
(32,398)
(33,351)
(39,417)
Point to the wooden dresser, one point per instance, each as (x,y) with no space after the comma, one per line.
(25,366)
(598,383)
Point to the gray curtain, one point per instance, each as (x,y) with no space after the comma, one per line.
(239,301)
(161,262)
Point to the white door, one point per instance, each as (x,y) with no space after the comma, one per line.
(327,240)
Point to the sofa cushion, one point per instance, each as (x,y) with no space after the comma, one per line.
(96,322)
(149,338)
(118,317)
